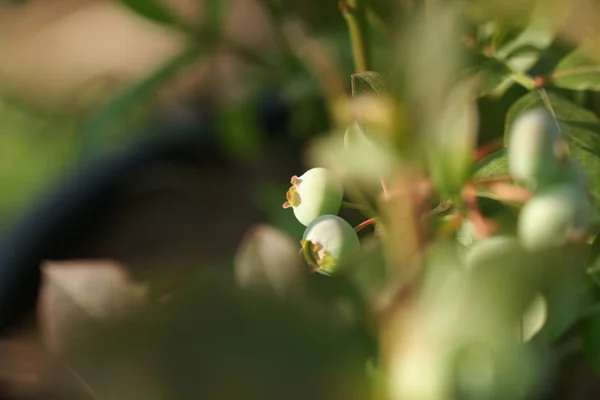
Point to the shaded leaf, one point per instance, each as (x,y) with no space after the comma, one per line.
(268,260)
(73,293)
(578,70)
(152,10)
(490,72)
(590,333)
(368,82)
(580,126)
(494,164)
(566,301)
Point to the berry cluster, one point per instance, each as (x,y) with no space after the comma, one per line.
(316,198)
(559,211)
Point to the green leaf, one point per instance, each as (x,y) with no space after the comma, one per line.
(215,13)
(493,165)
(566,302)
(593,264)
(524,51)
(521,53)
(590,333)
(578,70)
(580,126)
(454,139)
(152,10)
(111,118)
(368,82)
(490,72)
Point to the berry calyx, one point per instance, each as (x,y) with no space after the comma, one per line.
(327,241)
(317,192)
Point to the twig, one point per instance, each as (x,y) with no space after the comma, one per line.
(355,13)
(364,224)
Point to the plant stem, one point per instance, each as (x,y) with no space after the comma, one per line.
(364,224)
(355,13)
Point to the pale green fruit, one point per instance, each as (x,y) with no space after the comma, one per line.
(318,192)
(553,216)
(504,275)
(535,148)
(494,251)
(327,241)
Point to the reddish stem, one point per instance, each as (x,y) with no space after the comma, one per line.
(488,149)
(364,224)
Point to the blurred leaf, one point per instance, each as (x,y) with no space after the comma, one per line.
(534,318)
(73,293)
(110,119)
(453,143)
(151,9)
(367,270)
(239,132)
(368,82)
(566,301)
(593,261)
(523,52)
(215,13)
(355,158)
(34,150)
(214,341)
(490,72)
(268,260)
(432,65)
(578,70)
(493,165)
(580,126)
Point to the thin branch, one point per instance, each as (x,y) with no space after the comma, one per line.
(355,13)
(364,224)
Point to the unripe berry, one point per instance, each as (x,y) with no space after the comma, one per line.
(319,191)
(494,252)
(554,216)
(328,240)
(535,148)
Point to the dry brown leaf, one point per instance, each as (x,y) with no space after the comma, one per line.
(76,293)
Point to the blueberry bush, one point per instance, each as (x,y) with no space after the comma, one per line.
(455,192)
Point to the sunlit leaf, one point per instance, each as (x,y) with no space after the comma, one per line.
(524,51)
(578,70)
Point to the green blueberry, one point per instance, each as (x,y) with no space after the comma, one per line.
(535,148)
(319,191)
(327,241)
(494,251)
(553,217)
